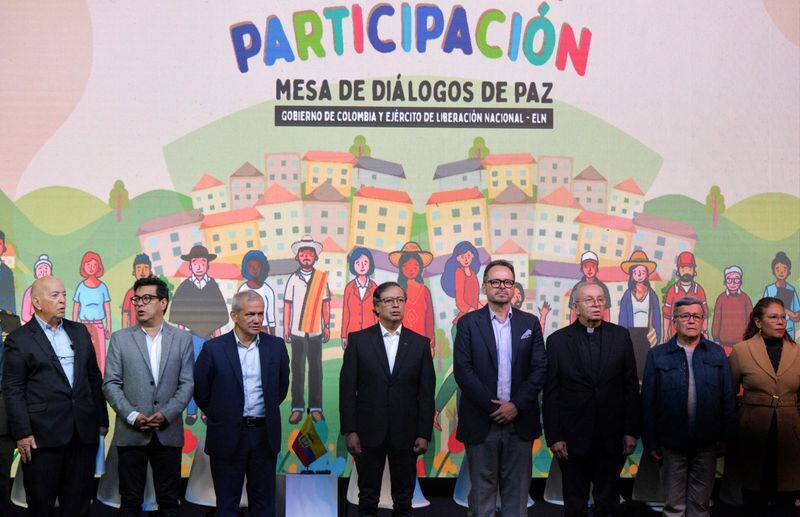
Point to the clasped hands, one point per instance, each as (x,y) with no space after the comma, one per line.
(505,413)
(354,445)
(153,422)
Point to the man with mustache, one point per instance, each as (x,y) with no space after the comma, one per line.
(683,287)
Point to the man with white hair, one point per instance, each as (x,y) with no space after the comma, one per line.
(731,310)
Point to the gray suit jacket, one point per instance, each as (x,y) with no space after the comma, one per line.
(129,384)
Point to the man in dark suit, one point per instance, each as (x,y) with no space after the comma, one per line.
(240,379)
(7,444)
(386,401)
(56,411)
(499,364)
(591,404)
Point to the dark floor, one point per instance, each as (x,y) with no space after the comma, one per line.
(438,492)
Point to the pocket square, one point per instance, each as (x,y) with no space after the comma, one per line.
(526,334)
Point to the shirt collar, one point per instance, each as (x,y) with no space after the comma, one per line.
(493,315)
(386,333)
(46,327)
(204,278)
(239,341)
(160,330)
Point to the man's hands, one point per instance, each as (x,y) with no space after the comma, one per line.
(560,450)
(628,445)
(420,446)
(353,444)
(505,414)
(25,447)
(326,334)
(153,422)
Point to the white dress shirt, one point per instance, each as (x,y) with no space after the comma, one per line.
(391,340)
(502,337)
(200,282)
(154,356)
(250,361)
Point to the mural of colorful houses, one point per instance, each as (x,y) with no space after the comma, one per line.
(246,186)
(381,218)
(283,169)
(454,216)
(335,167)
(374,172)
(520,169)
(165,238)
(461,174)
(590,189)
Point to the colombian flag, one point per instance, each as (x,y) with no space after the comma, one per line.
(307,445)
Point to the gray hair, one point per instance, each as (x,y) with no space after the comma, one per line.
(244,296)
(688,300)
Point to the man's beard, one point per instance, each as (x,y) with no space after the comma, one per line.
(688,277)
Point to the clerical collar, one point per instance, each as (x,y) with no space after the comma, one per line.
(590,330)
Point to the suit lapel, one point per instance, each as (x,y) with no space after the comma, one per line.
(789,354)
(517,328)
(402,349)
(47,349)
(487,331)
(575,343)
(141,344)
(233,356)
(761,358)
(380,350)
(263,357)
(166,349)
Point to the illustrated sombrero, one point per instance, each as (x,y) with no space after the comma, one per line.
(410,247)
(638,258)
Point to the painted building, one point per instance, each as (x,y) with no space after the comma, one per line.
(626,199)
(590,189)
(326,213)
(556,234)
(518,169)
(233,233)
(454,216)
(283,169)
(518,256)
(247,186)
(374,172)
(512,216)
(381,218)
(333,259)
(281,221)
(662,240)
(166,238)
(554,172)
(335,167)
(210,195)
(554,281)
(609,236)
(461,174)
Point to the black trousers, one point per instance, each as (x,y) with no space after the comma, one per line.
(255,458)
(306,348)
(166,464)
(66,473)
(7,446)
(403,471)
(599,468)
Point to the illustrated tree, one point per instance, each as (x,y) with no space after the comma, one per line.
(118,198)
(478,149)
(360,147)
(715,204)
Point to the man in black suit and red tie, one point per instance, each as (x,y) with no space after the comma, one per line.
(592,408)
(386,401)
(54,401)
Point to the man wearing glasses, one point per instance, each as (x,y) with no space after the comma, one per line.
(499,364)
(688,409)
(386,401)
(148,382)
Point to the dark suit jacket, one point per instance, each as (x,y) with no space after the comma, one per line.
(475,370)
(375,403)
(39,400)
(219,390)
(579,408)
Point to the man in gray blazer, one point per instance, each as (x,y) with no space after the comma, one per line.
(148,382)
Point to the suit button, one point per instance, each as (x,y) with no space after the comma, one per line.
(152,383)
(155,402)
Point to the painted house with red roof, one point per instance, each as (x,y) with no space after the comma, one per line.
(626,199)
(333,260)
(454,216)
(511,216)
(281,221)
(333,166)
(662,240)
(233,233)
(554,172)
(518,256)
(246,186)
(326,213)
(381,218)
(609,236)
(210,195)
(502,170)
(166,238)
(283,169)
(556,234)
(375,172)
(590,189)
(228,276)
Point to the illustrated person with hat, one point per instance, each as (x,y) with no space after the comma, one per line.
(42,267)
(411,260)
(684,286)
(731,310)
(306,325)
(199,307)
(638,309)
(589,267)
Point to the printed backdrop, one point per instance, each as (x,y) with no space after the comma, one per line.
(648,145)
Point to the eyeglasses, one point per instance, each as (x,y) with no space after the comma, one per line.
(591,302)
(686,317)
(393,301)
(145,299)
(508,284)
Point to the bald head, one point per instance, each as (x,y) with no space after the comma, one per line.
(49,299)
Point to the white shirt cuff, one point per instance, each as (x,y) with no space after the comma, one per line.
(132,416)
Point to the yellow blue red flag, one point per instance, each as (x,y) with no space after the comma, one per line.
(307,445)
